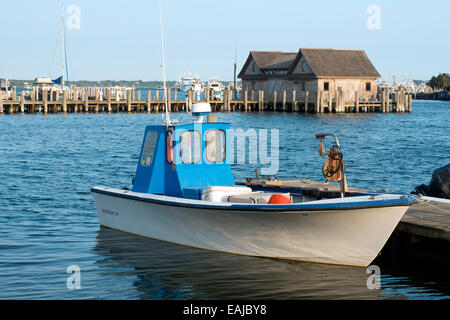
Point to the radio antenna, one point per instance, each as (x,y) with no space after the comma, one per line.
(166,102)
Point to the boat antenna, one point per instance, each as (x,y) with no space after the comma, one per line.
(166,103)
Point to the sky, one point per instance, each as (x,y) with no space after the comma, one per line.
(120,40)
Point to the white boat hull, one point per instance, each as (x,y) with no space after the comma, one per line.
(346,237)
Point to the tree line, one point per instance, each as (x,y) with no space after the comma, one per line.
(442,80)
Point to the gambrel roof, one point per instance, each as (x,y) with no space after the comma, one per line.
(324,63)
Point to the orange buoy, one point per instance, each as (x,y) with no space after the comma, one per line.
(279,199)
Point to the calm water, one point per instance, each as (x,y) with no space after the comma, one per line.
(48,221)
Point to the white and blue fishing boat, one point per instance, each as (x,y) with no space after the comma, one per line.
(184,192)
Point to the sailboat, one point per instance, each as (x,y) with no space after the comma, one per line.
(59,84)
(184,192)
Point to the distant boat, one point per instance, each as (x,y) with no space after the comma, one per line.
(5,87)
(57,84)
(217,87)
(188,82)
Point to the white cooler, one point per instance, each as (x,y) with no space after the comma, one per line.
(221,193)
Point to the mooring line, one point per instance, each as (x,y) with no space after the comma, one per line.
(431,205)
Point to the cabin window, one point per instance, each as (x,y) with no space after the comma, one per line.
(191,147)
(368,86)
(215,145)
(149,148)
(326,86)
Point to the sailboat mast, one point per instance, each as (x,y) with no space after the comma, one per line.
(63,47)
(235,65)
(166,103)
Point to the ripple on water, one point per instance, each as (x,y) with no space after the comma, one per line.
(48,220)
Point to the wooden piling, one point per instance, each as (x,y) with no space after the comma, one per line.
(275,101)
(1,102)
(86,101)
(318,102)
(284,101)
(260,100)
(206,95)
(295,106)
(410,103)
(64,101)
(246,101)
(149,104)
(306,101)
(44,97)
(330,102)
(129,102)
(22,102)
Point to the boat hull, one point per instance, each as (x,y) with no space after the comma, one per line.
(333,236)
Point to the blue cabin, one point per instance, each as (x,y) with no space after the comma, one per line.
(182,160)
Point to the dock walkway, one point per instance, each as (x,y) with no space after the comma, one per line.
(113,100)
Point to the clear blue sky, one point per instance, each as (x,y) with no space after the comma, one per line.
(120,39)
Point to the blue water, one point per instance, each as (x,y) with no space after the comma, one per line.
(48,220)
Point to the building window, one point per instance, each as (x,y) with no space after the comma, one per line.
(253,67)
(303,86)
(191,147)
(368,86)
(149,148)
(326,86)
(215,145)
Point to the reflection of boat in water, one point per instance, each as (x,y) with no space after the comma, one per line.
(153,269)
(184,192)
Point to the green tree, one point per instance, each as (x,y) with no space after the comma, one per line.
(440,81)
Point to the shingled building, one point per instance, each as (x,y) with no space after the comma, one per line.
(311,70)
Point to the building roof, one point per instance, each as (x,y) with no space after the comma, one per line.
(273,60)
(266,60)
(339,63)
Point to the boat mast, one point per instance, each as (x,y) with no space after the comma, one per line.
(166,103)
(235,59)
(63,47)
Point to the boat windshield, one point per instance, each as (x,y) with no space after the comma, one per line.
(191,147)
(215,145)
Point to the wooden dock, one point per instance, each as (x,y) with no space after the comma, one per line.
(423,233)
(113,100)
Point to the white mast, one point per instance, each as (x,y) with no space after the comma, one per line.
(63,47)
(166,103)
